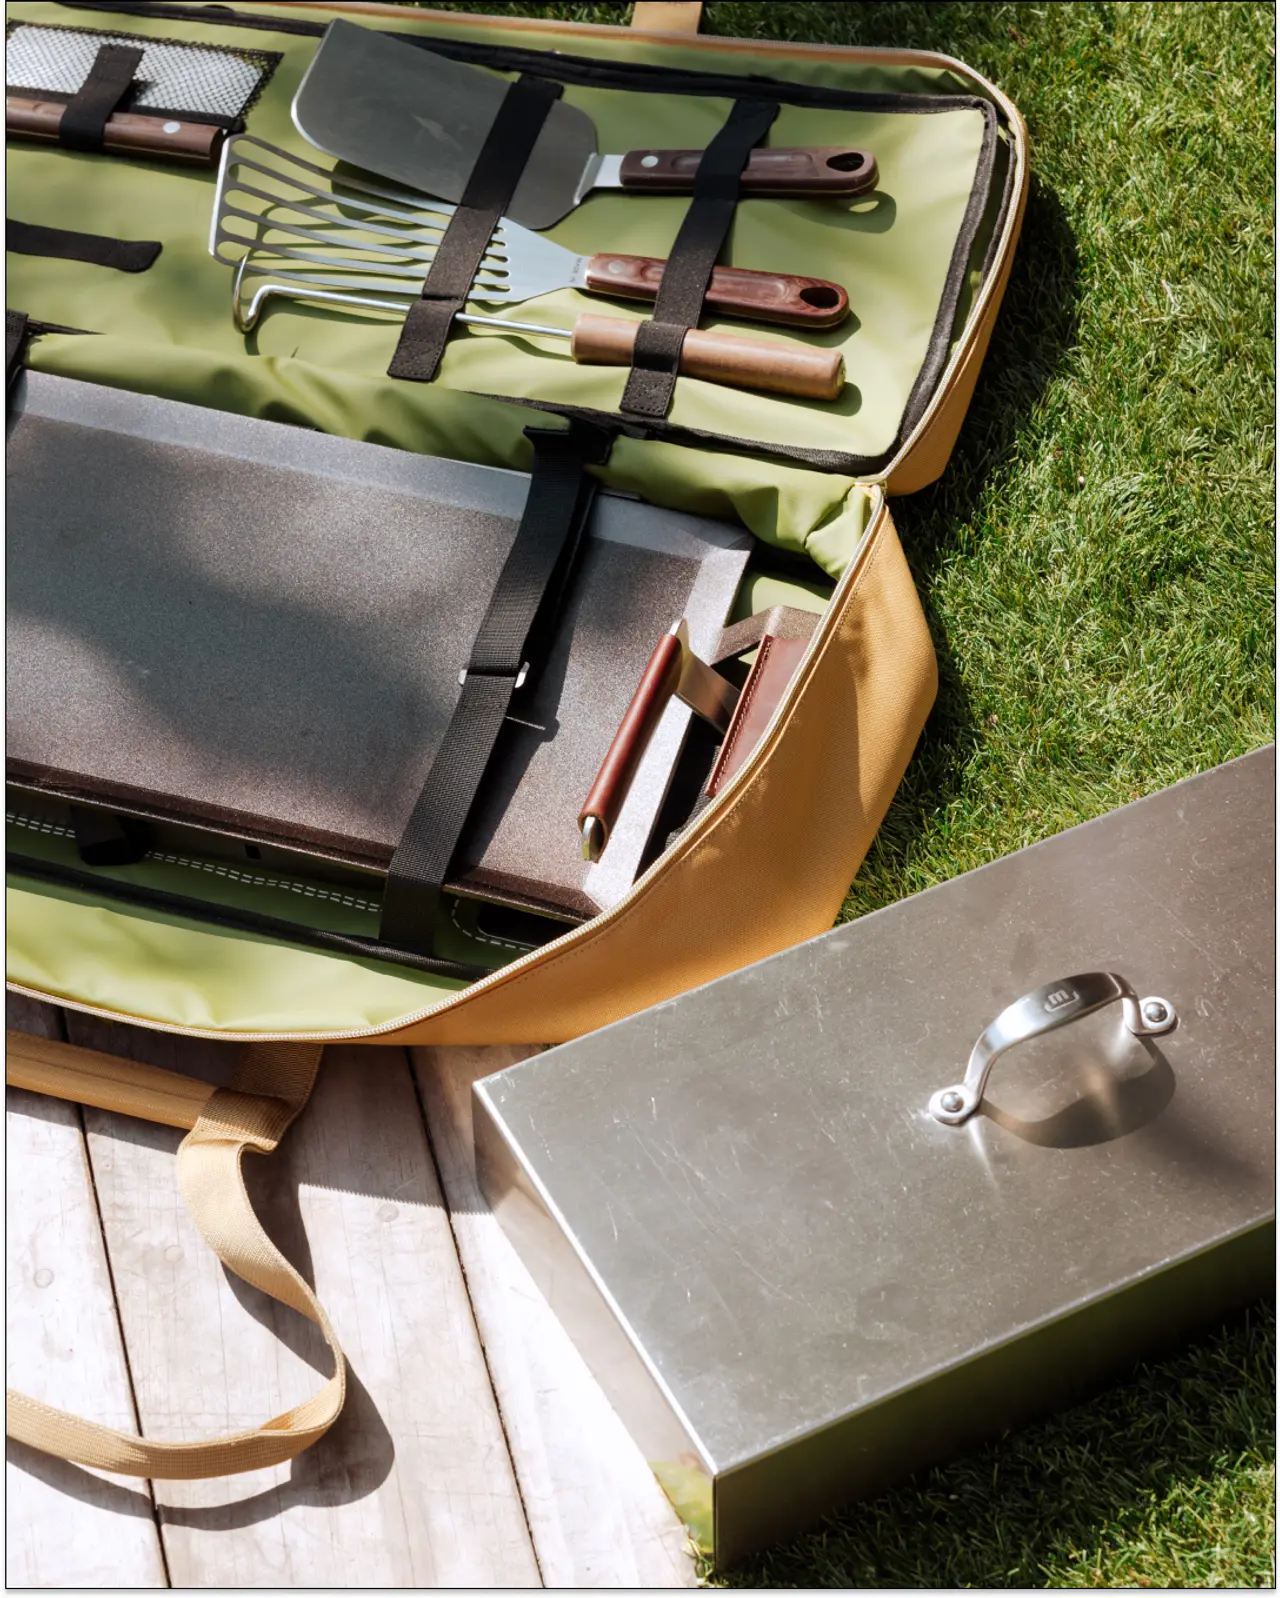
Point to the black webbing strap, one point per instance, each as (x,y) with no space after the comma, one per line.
(508,651)
(125,255)
(15,343)
(109,81)
(685,277)
(493,181)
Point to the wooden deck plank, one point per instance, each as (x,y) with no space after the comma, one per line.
(29,1015)
(596,1513)
(414,1485)
(65,1526)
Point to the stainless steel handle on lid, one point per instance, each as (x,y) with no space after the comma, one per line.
(1041,1011)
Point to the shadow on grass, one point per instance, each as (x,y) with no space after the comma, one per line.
(1069,1501)
(1035,331)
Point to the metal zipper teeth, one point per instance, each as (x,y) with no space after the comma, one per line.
(761,751)
(977,316)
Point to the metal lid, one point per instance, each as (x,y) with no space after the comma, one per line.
(783,1227)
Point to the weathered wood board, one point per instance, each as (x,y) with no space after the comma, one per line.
(414,1486)
(65,1527)
(596,1513)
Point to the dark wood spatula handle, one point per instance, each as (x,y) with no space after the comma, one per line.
(828,173)
(734,291)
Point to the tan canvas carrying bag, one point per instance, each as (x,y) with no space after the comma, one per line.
(764,866)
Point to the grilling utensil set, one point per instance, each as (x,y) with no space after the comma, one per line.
(366,245)
(296,230)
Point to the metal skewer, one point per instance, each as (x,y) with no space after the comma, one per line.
(775,368)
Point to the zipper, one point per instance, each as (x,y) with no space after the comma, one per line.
(549,951)
(977,314)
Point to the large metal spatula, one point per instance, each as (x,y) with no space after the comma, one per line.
(414,116)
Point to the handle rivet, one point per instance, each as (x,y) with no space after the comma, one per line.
(951,1102)
(1155,1012)
(173,127)
(648,160)
(617,268)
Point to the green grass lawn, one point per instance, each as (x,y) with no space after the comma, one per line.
(1097,566)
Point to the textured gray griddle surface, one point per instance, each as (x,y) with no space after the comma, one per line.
(265,629)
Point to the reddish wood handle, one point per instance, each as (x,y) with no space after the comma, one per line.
(774,667)
(827,173)
(720,358)
(124,134)
(660,680)
(754,296)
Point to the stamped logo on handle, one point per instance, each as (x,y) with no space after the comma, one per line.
(1059,997)
(1058,1003)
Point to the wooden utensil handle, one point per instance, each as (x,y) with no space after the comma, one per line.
(719,358)
(124,134)
(659,682)
(734,290)
(830,172)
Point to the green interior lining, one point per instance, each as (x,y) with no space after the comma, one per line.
(892,251)
(161,969)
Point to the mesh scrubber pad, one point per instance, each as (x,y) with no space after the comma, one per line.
(197,81)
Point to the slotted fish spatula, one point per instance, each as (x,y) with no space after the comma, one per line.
(420,119)
(350,244)
(279,208)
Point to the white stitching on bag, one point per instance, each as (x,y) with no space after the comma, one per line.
(482,937)
(215,868)
(234,874)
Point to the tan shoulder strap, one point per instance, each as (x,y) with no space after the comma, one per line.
(269,1088)
(667,16)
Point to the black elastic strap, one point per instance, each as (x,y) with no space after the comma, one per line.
(493,181)
(511,644)
(692,257)
(15,343)
(231,916)
(216,15)
(104,839)
(124,255)
(110,78)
